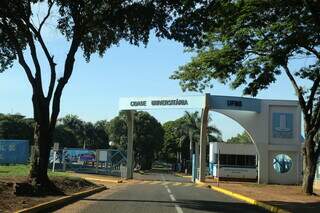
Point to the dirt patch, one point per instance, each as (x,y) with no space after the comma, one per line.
(288,197)
(29,196)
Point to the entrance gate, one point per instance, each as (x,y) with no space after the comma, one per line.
(273,125)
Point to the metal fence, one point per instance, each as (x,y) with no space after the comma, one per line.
(100,161)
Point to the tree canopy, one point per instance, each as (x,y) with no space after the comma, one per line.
(243,138)
(253,47)
(90,25)
(181,135)
(148,136)
(81,134)
(16,126)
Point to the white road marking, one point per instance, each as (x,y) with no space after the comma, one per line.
(172,197)
(178,208)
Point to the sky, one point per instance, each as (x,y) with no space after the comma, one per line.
(94,89)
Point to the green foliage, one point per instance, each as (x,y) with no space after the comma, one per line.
(65,136)
(175,140)
(14,170)
(71,132)
(177,135)
(90,25)
(250,43)
(101,135)
(23,170)
(77,127)
(170,145)
(15,126)
(74,132)
(148,136)
(192,123)
(94,26)
(243,138)
(117,130)
(252,46)
(148,139)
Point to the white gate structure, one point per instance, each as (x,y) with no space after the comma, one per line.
(273,125)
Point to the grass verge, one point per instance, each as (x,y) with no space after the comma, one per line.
(16,175)
(23,170)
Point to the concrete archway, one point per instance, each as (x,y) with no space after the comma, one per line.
(244,119)
(261,118)
(274,126)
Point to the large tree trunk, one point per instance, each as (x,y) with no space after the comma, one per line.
(309,166)
(40,156)
(43,136)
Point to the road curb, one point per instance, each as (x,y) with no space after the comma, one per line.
(184,176)
(103,180)
(245,199)
(61,201)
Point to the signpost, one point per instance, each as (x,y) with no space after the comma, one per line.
(55,149)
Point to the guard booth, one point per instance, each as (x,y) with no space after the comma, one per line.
(233,161)
(273,125)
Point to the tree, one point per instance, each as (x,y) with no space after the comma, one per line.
(117,131)
(65,137)
(90,25)
(77,126)
(243,138)
(88,135)
(253,47)
(148,136)
(192,125)
(102,137)
(181,135)
(148,139)
(170,146)
(16,127)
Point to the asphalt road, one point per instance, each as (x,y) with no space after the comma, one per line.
(167,194)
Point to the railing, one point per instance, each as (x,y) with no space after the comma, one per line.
(88,161)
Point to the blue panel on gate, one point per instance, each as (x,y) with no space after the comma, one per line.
(14,151)
(282,125)
(234,103)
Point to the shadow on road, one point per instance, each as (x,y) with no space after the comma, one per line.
(154,175)
(200,205)
(296,207)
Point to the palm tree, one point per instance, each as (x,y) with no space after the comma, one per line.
(192,129)
(192,126)
(181,136)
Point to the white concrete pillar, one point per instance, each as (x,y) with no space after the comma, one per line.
(130,123)
(196,152)
(203,144)
(263,163)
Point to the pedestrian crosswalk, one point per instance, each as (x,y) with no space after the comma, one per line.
(169,183)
